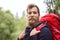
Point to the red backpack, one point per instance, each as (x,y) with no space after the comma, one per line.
(54,24)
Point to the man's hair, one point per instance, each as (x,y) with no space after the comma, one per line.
(33,5)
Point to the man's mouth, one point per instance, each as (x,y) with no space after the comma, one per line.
(32,20)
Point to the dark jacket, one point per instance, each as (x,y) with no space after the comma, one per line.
(45,34)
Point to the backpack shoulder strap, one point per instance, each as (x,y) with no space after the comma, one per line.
(41,26)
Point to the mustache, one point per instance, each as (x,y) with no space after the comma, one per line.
(32,19)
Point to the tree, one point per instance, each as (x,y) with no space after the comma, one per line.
(53,6)
(57,7)
(10,27)
(6,25)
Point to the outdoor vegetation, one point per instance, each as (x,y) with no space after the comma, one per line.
(11,27)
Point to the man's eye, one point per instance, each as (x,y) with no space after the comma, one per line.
(34,12)
(29,13)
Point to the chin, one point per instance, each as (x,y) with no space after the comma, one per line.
(32,22)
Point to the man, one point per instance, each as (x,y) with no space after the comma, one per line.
(30,32)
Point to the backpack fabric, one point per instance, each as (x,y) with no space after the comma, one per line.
(54,24)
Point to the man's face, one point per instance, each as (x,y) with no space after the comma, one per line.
(33,15)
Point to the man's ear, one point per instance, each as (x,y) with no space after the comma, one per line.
(39,14)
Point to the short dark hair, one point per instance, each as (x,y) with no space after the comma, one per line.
(33,5)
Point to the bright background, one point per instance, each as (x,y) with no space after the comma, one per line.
(18,6)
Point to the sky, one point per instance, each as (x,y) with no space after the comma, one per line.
(18,6)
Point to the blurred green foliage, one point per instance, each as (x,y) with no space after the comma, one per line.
(53,6)
(10,27)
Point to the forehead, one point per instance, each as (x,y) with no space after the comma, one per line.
(33,9)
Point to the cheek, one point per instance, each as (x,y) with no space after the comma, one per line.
(36,16)
(28,17)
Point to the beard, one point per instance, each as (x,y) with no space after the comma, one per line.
(32,21)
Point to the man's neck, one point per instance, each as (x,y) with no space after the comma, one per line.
(33,25)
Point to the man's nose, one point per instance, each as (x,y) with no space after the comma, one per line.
(32,14)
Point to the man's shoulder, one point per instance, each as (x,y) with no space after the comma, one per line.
(45,29)
(45,34)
